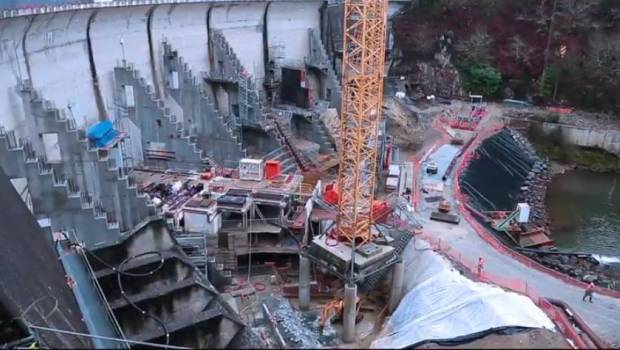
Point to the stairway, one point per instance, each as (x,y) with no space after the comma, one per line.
(248,100)
(319,59)
(219,135)
(323,137)
(284,137)
(157,124)
(98,218)
(166,300)
(282,154)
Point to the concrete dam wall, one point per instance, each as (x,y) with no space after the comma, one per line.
(609,140)
(69,57)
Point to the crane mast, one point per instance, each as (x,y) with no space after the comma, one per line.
(363,68)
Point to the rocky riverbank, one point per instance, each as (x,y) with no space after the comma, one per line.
(534,188)
(533,191)
(583,267)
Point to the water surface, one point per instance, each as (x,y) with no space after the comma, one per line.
(585,212)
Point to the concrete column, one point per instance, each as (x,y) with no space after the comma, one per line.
(396,292)
(304,283)
(349,315)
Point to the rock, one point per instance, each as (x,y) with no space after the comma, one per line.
(604,282)
(564,259)
(590,278)
(578,272)
(551,261)
(565,268)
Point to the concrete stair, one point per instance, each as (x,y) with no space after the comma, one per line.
(187,152)
(215,132)
(249,102)
(97,218)
(284,137)
(282,154)
(324,138)
(319,58)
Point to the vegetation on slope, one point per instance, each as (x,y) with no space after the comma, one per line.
(546,51)
(554,147)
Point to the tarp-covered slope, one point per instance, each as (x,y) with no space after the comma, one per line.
(441,304)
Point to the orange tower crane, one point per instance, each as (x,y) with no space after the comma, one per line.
(363,67)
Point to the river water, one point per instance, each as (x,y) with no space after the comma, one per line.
(585,213)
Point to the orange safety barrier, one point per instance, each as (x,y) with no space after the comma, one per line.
(513,284)
(560,110)
(488,237)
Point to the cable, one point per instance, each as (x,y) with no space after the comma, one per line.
(54,309)
(119,273)
(173,347)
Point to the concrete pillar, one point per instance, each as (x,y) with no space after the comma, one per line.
(396,292)
(304,283)
(349,315)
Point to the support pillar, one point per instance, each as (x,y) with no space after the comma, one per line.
(349,314)
(396,291)
(304,283)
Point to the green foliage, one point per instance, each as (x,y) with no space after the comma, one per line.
(597,160)
(482,79)
(547,81)
(553,146)
(550,144)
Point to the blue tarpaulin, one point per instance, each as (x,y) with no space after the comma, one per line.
(102,133)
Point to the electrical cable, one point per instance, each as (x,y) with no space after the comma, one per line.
(55,330)
(119,273)
(54,309)
(39,339)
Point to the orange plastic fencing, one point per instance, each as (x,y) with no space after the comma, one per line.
(516,285)
(488,237)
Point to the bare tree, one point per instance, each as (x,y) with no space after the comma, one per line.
(604,62)
(476,48)
(521,52)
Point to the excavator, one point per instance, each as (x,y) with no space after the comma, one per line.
(333,310)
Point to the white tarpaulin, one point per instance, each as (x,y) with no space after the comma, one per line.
(441,304)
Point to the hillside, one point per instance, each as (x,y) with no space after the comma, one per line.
(544,51)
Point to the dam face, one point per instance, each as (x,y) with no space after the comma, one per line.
(69,56)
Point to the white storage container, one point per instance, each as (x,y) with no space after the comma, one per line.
(524,212)
(251,169)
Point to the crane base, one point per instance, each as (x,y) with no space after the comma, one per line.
(336,256)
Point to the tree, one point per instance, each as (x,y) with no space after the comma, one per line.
(548,82)
(521,52)
(483,79)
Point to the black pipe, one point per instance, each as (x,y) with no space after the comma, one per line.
(93,70)
(580,323)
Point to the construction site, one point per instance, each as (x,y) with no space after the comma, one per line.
(231,174)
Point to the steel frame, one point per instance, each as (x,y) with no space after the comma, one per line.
(363,68)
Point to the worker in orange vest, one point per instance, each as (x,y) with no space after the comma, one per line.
(589,291)
(480,266)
